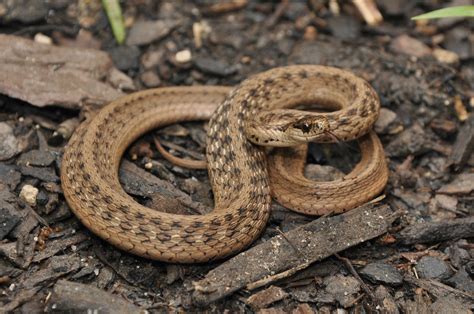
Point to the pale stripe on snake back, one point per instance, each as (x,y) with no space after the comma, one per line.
(237,168)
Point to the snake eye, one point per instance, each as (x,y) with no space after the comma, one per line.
(304,127)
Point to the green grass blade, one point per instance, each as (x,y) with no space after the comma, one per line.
(114,14)
(460,11)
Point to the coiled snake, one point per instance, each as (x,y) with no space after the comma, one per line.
(255,110)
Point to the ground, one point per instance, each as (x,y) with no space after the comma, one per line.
(410,251)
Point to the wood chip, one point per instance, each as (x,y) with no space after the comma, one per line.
(285,254)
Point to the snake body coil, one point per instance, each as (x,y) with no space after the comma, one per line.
(237,168)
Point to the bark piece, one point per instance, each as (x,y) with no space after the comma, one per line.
(71,296)
(48,75)
(437,231)
(295,250)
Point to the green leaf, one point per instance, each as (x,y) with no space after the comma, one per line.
(114,14)
(460,11)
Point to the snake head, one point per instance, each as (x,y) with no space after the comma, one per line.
(309,128)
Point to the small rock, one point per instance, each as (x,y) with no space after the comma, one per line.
(446,202)
(42,158)
(9,145)
(29,193)
(382,273)
(264,298)
(457,255)
(9,215)
(145,32)
(433,268)
(462,281)
(183,56)
(42,198)
(457,40)
(344,27)
(43,39)
(152,58)
(9,175)
(410,46)
(385,120)
(213,66)
(412,141)
(150,79)
(121,81)
(445,56)
(44,174)
(343,289)
(462,184)
(125,57)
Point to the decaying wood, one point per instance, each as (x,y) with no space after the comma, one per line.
(437,231)
(71,296)
(463,146)
(297,248)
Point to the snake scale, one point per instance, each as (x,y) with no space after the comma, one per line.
(237,167)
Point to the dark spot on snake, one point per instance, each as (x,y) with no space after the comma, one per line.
(252,92)
(363,112)
(197,224)
(216,222)
(228,217)
(95,188)
(268,81)
(139,215)
(176,224)
(125,225)
(106,215)
(163,237)
(352,111)
(107,199)
(124,208)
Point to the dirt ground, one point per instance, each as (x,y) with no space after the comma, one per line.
(410,251)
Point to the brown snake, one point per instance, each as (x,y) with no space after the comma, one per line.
(237,168)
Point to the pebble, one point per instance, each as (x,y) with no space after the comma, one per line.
(150,79)
(9,215)
(385,120)
(152,58)
(125,57)
(344,27)
(43,39)
(44,174)
(42,158)
(145,32)
(461,280)
(445,56)
(214,67)
(457,255)
(9,175)
(430,267)
(29,193)
(183,56)
(382,273)
(410,46)
(412,141)
(9,145)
